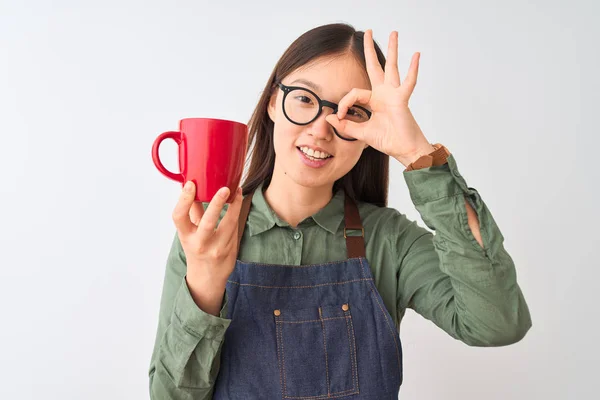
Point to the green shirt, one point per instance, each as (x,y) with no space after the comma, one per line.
(468,291)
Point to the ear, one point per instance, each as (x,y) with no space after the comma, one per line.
(271,107)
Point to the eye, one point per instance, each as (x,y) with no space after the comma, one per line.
(304,99)
(357,114)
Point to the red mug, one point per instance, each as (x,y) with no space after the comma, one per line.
(211,154)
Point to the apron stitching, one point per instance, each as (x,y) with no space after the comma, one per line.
(252,264)
(311,320)
(301,287)
(388,325)
(280,333)
(325,349)
(324,396)
(362,268)
(352,354)
(279,356)
(351,340)
(373,291)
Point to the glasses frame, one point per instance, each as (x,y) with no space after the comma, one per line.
(322,103)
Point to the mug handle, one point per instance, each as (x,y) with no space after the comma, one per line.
(176,136)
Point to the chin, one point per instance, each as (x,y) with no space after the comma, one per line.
(310,181)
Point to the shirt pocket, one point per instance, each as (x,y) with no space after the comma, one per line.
(316,352)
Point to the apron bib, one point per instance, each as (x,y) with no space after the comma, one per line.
(309,332)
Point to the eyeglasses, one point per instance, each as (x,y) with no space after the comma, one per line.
(302,106)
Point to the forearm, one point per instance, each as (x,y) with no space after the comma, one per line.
(451,281)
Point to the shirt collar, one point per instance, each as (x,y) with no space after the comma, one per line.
(330,217)
(262,218)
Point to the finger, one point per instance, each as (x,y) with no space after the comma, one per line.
(392,76)
(362,96)
(228,228)
(373,67)
(196,212)
(210,219)
(348,128)
(411,77)
(181,213)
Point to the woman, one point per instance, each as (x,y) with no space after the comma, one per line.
(297,288)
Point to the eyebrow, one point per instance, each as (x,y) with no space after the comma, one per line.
(308,83)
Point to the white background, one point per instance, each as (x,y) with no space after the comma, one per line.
(510,87)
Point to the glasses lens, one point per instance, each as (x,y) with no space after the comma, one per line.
(354,114)
(301,106)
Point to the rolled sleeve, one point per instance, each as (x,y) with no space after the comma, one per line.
(194,320)
(435,183)
(438,193)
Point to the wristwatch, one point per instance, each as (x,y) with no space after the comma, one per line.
(437,157)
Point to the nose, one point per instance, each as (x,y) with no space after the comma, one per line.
(320,128)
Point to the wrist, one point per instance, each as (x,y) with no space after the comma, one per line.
(207,293)
(201,276)
(436,158)
(409,158)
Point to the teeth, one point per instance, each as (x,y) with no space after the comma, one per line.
(314,154)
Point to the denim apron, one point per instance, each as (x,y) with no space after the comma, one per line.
(309,332)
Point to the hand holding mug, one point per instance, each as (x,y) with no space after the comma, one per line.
(210,250)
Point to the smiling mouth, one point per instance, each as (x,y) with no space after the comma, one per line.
(320,156)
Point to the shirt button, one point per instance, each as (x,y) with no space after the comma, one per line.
(297,235)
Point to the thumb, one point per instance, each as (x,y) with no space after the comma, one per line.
(345,127)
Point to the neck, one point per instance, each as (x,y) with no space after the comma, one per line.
(293,202)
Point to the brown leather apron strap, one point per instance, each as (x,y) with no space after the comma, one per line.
(355,245)
(246,203)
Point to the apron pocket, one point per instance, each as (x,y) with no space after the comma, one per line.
(316,352)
